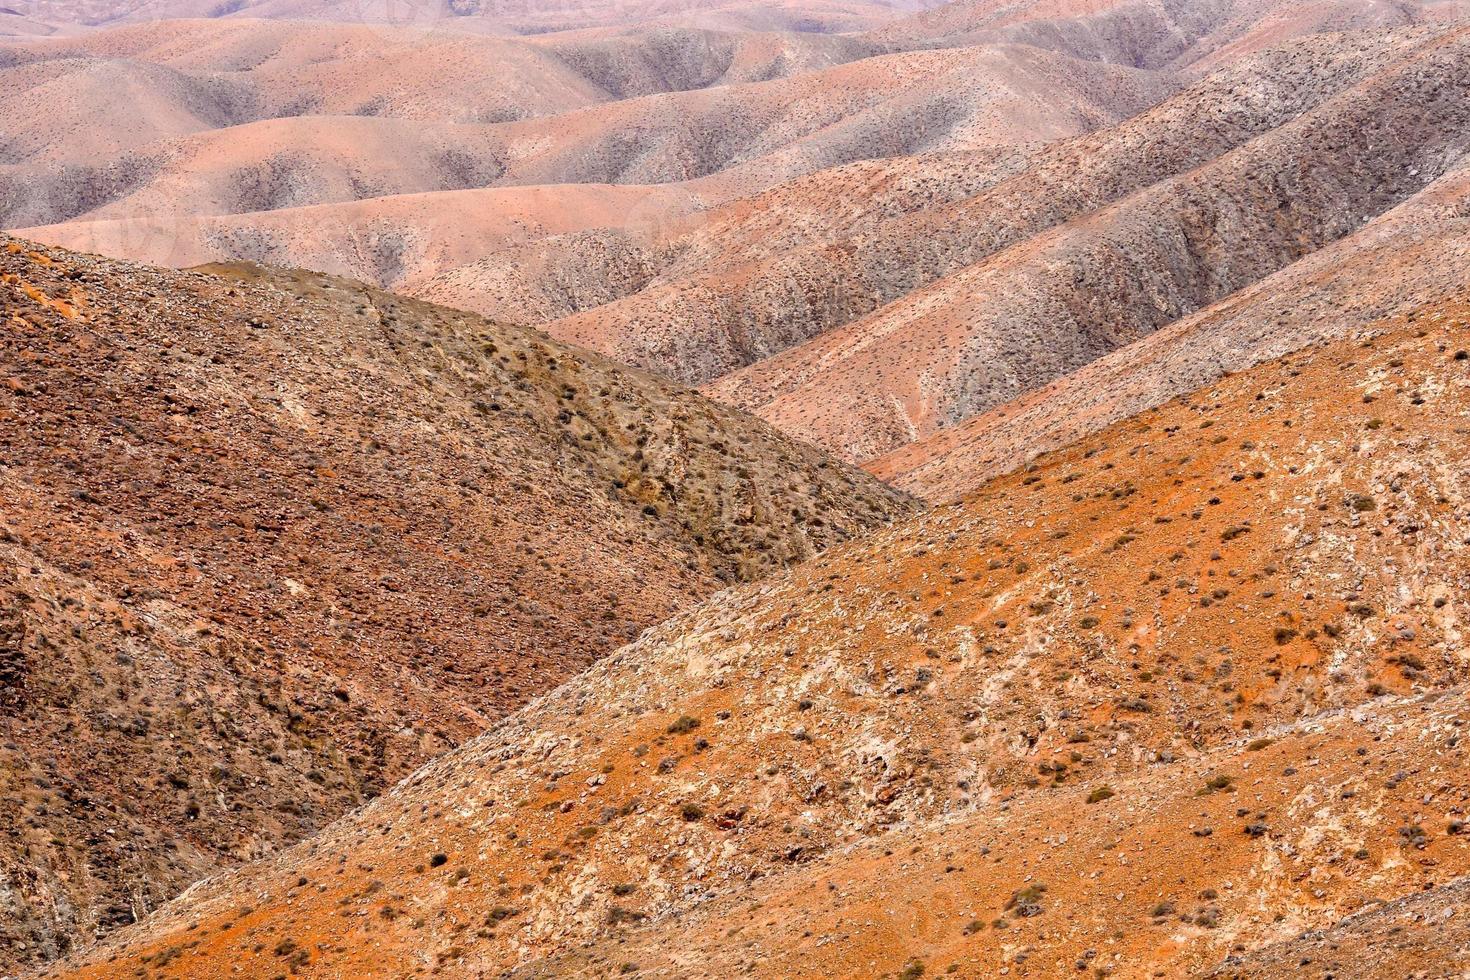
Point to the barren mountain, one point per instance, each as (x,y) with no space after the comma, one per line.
(1415,252)
(272,539)
(1385,939)
(1171,696)
(484,17)
(397,240)
(1038,307)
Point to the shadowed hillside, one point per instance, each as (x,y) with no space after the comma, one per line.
(271,540)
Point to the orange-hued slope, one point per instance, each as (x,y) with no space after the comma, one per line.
(1153,706)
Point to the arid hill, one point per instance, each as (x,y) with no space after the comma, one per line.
(1097,244)
(867,239)
(272,539)
(1153,706)
(759,275)
(1415,252)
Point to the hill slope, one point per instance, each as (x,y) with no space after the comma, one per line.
(764,274)
(272,540)
(1036,305)
(1410,255)
(1176,692)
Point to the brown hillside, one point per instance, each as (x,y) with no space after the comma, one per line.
(272,539)
(1199,675)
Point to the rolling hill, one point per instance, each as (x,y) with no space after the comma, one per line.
(274,539)
(1026,289)
(866,239)
(1176,697)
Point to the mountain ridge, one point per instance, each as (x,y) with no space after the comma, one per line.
(274,539)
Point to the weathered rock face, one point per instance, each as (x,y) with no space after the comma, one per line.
(1165,691)
(272,540)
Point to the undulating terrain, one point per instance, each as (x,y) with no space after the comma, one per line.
(1186,696)
(789,488)
(272,540)
(868,237)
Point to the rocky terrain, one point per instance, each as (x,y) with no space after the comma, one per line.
(271,540)
(417,615)
(1184,696)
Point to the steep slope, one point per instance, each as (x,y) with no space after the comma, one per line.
(623,290)
(763,274)
(1162,878)
(1051,303)
(1415,253)
(271,540)
(1176,692)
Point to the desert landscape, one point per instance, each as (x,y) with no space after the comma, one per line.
(780,488)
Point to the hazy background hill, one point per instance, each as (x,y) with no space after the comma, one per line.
(867,234)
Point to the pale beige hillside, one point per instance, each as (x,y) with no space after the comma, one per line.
(396,240)
(481,17)
(765,273)
(755,134)
(1413,253)
(1051,303)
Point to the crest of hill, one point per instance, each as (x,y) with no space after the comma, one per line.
(272,540)
(1181,690)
